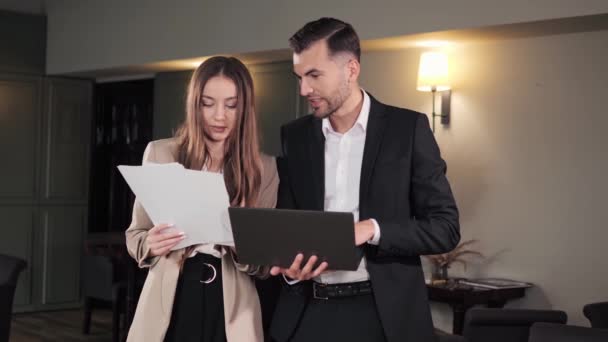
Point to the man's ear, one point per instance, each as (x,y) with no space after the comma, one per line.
(353,69)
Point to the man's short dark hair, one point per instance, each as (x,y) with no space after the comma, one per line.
(340,37)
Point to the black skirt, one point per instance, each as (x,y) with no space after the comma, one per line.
(198,307)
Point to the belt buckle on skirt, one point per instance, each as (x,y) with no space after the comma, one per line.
(212,277)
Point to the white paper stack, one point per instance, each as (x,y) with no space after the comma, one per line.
(196,202)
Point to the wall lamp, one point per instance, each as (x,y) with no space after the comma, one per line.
(433,77)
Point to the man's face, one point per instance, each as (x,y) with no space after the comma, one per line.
(323,78)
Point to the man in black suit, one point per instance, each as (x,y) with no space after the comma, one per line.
(379,162)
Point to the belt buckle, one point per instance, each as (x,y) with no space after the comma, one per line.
(213,276)
(314,291)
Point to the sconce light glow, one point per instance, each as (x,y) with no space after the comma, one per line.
(433,72)
(433,43)
(195,64)
(433,77)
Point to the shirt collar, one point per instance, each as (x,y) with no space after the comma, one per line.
(362,118)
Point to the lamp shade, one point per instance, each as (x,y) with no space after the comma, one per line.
(433,72)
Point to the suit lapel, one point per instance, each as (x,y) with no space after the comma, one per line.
(317,164)
(376,125)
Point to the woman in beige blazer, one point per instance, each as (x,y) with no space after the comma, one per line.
(201,293)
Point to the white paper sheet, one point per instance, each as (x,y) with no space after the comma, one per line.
(196,202)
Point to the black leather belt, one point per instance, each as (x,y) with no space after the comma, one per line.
(329,291)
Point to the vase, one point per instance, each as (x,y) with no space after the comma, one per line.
(440,272)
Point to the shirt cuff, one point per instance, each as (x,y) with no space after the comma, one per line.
(290,281)
(375,240)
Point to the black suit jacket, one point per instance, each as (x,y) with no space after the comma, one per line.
(403,186)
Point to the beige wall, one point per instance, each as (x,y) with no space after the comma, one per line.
(86,35)
(527,155)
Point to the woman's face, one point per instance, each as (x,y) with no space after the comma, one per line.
(219,108)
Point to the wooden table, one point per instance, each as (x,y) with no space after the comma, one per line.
(462,297)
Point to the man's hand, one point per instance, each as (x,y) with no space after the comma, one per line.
(364,231)
(296,272)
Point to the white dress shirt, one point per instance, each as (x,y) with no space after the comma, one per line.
(343,161)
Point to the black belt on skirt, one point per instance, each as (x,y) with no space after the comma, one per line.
(198,308)
(330,291)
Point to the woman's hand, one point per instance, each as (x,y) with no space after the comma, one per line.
(160,239)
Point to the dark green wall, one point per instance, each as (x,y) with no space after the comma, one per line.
(45,126)
(22,43)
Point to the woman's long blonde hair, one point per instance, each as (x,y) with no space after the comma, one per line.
(242,165)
